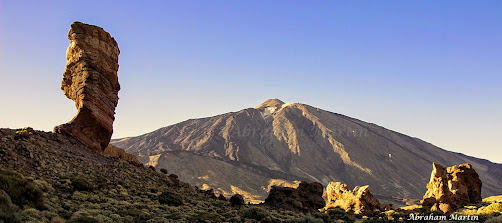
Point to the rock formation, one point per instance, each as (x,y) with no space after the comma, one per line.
(360,200)
(222,197)
(307,197)
(452,187)
(91,80)
(237,199)
(120,153)
(209,193)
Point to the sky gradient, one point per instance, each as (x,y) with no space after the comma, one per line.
(427,69)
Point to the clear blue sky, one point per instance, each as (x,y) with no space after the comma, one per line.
(429,69)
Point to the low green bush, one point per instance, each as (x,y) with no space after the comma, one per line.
(255,213)
(81,184)
(170,198)
(21,191)
(83,220)
(206,216)
(8,211)
(339,214)
(308,219)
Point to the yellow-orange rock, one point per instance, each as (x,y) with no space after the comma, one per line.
(452,187)
(360,200)
(91,80)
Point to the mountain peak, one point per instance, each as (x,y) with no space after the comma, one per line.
(274,102)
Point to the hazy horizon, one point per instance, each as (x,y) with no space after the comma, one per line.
(426,69)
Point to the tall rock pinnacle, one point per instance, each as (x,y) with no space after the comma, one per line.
(90,79)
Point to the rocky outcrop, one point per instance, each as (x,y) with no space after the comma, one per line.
(237,199)
(91,80)
(452,187)
(114,151)
(209,193)
(307,197)
(359,201)
(222,197)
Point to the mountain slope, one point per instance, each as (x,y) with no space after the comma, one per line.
(48,177)
(292,141)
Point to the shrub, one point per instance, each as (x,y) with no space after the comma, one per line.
(322,216)
(170,198)
(308,219)
(8,211)
(83,220)
(339,214)
(164,171)
(23,133)
(21,191)
(206,216)
(255,213)
(81,184)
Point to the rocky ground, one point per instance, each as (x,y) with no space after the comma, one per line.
(47,177)
(70,183)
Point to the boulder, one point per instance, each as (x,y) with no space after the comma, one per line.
(452,187)
(90,79)
(236,199)
(360,200)
(307,197)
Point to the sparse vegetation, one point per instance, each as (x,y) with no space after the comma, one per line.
(205,217)
(255,213)
(170,198)
(83,220)
(309,219)
(23,133)
(21,191)
(8,211)
(81,184)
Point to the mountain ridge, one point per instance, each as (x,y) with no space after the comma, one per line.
(309,143)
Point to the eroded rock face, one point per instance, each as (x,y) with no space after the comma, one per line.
(91,80)
(452,187)
(360,200)
(307,197)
